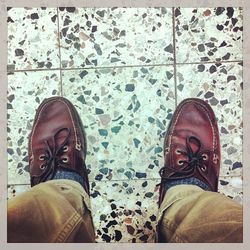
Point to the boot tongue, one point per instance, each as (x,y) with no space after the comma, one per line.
(194,146)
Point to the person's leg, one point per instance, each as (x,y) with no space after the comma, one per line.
(191,210)
(56,209)
(190,214)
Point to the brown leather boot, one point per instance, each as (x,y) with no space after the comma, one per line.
(191,145)
(57,141)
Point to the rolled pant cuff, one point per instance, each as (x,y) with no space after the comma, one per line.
(172,195)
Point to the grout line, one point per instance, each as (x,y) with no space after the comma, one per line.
(123,66)
(211,62)
(98,67)
(32,70)
(60,57)
(174,50)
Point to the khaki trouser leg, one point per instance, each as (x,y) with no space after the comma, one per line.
(190,214)
(54,211)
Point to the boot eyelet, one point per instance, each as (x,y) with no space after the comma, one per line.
(177,151)
(65,149)
(65,159)
(78,146)
(204,157)
(180,162)
(42,166)
(41,157)
(204,168)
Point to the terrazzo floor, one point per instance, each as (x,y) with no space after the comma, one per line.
(125,70)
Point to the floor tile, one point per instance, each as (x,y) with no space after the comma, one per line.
(14,190)
(18,162)
(32,38)
(115,36)
(208,34)
(128,210)
(125,112)
(232,188)
(221,86)
(26,90)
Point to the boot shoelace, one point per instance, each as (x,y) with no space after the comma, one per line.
(195,161)
(53,157)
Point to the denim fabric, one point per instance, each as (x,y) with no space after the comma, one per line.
(69,175)
(190,181)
